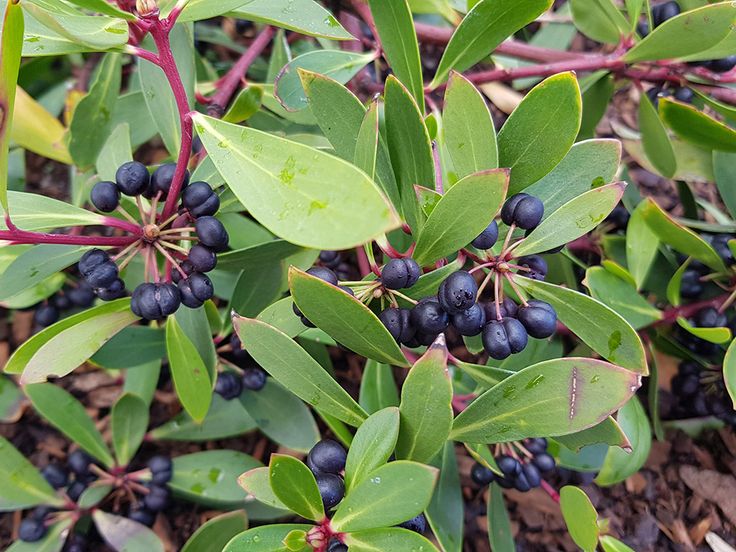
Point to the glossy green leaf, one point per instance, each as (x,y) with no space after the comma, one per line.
(37,212)
(11,401)
(150,345)
(641,246)
(366,148)
(125,534)
(712,335)
(377,387)
(373,444)
(729,371)
(296,370)
(724,166)
(257,484)
(344,318)
(426,409)
(273,250)
(392,494)
(688,33)
(680,238)
(268,538)
(210,477)
(574,219)
(600,20)
(541,130)
(100,6)
(409,146)
(99,33)
(555,397)
(489,23)
(461,215)
(213,535)
(500,534)
(611,544)
(62,347)
(129,422)
(621,296)
(388,538)
(339,65)
(11,40)
(280,315)
(657,145)
(37,130)
(620,464)
(468,128)
(67,415)
(116,150)
(395,25)
(485,375)
(189,372)
(302,16)
(92,121)
(93,495)
(295,486)
(446,513)
(195,325)
(21,484)
(157,93)
(281,416)
(608,432)
(245,105)
(580,517)
(301,194)
(696,127)
(599,327)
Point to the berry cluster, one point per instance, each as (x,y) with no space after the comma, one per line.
(668,10)
(230,384)
(681,94)
(158,497)
(81,296)
(522,465)
(185,280)
(701,392)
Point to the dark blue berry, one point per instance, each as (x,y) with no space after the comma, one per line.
(337,546)
(56,476)
(487,238)
(481,475)
(537,267)
(690,284)
(521,483)
(81,296)
(685,95)
(79,462)
(331,489)
(536,445)
(75,490)
(323,273)
(143,516)
(202,258)
(400,273)
(132,178)
(544,462)
(31,530)
(327,456)
(91,260)
(105,196)
(157,499)
(418,524)
(398,323)
(163,177)
(114,291)
(642,28)
(723,65)
(509,466)
(254,379)
(195,290)
(720,244)
(709,317)
(457,292)
(533,477)
(539,318)
(46,315)
(330,259)
(155,301)
(186,267)
(200,199)
(62,302)
(663,12)
(523,210)
(212,233)
(103,275)
(508,309)
(502,338)
(228,385)
(429,318)
(469,322)
(162,469)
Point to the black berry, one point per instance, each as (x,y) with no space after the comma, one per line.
(46,315)
(545,462)
(398,323)
(157,499)
(31,530)
(81,296)
(187,267)
(155,301)
(663,12)
(723,65)
(720,244)
(195,290)
(418,524)
(330,259)
(523,210)
(105,196)
(324,274)
(509,466)
(536,445)
(228,385)
(537,267)
(162,469)
(91,260)
(502,338)
(487,238)
(690,285)
(103,275)
(539,318)
(337,546)
(200,199)
(202,258)
(457,292)
(56,476)
(429,318)
(132,178)
(400,273)
(254,379)
(709,317)
(685,95)
(481,475)
(75,490)
(62,302)
(212,233)
(143,516)
(114,291)
(327,456)
(163,177)
(331,489)
(469,322)
(79,462)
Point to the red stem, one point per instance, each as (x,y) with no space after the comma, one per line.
(18,236)
(554,495)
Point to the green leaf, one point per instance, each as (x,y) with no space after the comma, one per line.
(270,251)
(129,422)
(67,415)
(599,20)
(344,318)
(574,219)
(485,26)
(312,19)
(596,98)
(257,287)
(52,542)
(210,477)
(373,444)
(598,326)
(116,150)
(366,148)
(93,495)
(245,105)
(426,410)
(11,41)
(620,464)
(555,397)
(35,265)
(409,146)
(339,65)
(268,538)
(395,26)
(37,212)
(295,486)
(37,130)
(713,335)
(191,378)
(150,346)
(729,371)
(641,246)
(388,538)
(100,6)
(621,296)
(124,534)
(587,165)
(657,145)
(541,130)
(611,544)
(281,416)
(256,483)
(377,387)
(92,121)
(157,93)
(296,370)
(461,215)
(21,484)
(580,517)
(62,347)
(445,513)
(217,532)
(392,494)
(724,166)
(688,33)
(468,128)
(196,326)
(608,432)
(680,238)
(500,536)
(301,194)
(696,127)
(99,33)
(11,401)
